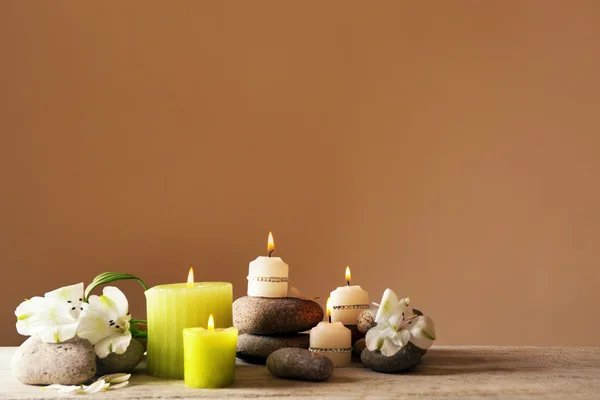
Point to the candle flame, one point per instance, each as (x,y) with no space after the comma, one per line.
(190,281)
(270,243)
(348,275)
(329,308)
(211,323)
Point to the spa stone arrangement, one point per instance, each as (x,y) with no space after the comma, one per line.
(83,343)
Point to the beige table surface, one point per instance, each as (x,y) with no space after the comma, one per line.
(446,372)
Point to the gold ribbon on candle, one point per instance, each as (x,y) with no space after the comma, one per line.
(329,350)
(269,279)
(353,307)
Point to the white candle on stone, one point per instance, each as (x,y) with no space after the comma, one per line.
(333,340)
(348,302)
(268,276)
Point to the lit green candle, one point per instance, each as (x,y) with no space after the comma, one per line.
(171,308)
(209,356)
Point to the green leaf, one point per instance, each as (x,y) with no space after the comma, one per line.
(107,277)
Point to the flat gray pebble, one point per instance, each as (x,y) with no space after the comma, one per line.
(406,358)
(275,316)
(256,348)
(299,364)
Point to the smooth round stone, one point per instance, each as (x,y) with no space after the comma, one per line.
(125,362)
(255,349)
(358,347)
(68,363)
(299,364)
(406,358)
(144,342)
(366,320)
(271,316)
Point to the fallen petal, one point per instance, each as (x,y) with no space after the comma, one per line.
(95,387)
(116,378)
(119,385)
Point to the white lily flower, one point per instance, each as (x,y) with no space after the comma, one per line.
(397,325)
(52,317)
(105,322)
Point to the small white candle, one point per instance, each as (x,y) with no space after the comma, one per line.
(333,340)
(268,276)
(348,302)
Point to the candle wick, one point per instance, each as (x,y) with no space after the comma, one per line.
(271,252)
(329,318)
(347,283)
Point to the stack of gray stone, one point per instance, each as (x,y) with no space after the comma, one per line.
(269,324)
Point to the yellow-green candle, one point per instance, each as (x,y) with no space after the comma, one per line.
(170,309)
(209,356)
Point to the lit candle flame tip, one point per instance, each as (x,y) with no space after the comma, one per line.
(270,244)
(190,280)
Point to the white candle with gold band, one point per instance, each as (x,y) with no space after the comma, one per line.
(348,302)
(333,340)
(268,276)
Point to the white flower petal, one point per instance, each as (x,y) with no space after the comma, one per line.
(59,333)
(388,307)
(115,343)
(52,320)
(72,296)
(54,386)
(94,325)
(394,321)
(28,312)
(389,348)
(116,300)
(95,387)
(405,309)
(69,389)
(119,385)
(422,332)
(403,337)
(72,293)
(373,339)
(116,378)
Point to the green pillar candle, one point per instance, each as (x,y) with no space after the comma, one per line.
(170,309)
(209,356)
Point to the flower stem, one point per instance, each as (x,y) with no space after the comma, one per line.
(107,277)
(135,332)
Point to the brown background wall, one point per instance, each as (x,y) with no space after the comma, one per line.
(449,150)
